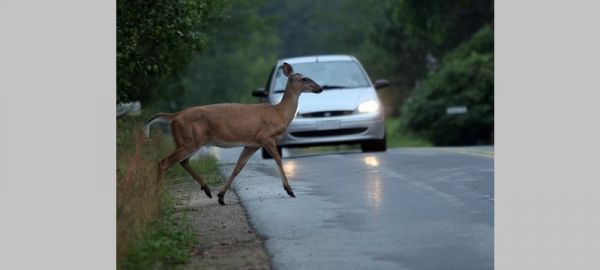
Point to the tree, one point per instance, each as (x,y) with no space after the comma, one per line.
(466,77)
(155,40)
(442,24)
(243,50)
(258,32)
(417,33)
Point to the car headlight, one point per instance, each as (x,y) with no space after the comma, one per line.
(368,106)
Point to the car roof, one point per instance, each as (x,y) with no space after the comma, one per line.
(316,58)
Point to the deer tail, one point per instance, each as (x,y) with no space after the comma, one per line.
(157,118)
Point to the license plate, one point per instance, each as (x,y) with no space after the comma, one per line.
(328,124)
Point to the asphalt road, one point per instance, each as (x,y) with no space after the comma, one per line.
(419,208)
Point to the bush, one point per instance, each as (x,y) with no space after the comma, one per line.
(466,77)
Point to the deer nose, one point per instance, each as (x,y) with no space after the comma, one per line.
(319,90)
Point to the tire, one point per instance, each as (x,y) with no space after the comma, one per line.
(266,155)
(374,145)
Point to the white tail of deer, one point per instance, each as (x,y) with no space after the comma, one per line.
(228,125)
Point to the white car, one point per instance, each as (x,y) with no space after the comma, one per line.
(348,111)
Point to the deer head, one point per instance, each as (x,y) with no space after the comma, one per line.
(299,82)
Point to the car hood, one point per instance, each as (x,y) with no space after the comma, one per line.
(331,100)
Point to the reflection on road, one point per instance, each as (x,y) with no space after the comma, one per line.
(373,191)
(371,161)
(289,167)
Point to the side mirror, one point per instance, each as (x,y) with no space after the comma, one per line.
(259,92)
(381,83)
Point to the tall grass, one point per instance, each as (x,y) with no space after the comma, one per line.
(139,196)
(149,233)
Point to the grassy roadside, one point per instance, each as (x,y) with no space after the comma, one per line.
(150,234)
(398,136)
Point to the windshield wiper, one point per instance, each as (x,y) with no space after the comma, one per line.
(327,86)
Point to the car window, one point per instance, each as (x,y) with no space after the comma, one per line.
(336,74)
(270,77)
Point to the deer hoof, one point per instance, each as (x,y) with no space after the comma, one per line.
(291,193)
(221,196)
(207,191)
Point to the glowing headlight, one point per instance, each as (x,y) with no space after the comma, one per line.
(368,106)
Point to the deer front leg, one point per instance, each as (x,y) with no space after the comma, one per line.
(244,156)
(186,165)
(271,147)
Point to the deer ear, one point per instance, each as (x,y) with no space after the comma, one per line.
(287,69)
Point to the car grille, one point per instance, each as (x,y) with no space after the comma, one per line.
(333,132)
(326,114)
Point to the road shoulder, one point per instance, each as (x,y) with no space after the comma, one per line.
(225,239)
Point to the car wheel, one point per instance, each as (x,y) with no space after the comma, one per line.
(266,155)
(374,145)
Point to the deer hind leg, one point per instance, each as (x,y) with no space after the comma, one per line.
(272,149)
(186,165)
(177,156)
(244,156)
(185,142)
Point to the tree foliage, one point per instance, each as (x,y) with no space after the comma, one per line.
(155,41)
(418,33)
(465,78)
(443,24)
(239,59)
(258,32)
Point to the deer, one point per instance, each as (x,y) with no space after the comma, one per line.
(228,125)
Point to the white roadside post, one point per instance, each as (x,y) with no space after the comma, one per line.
(456,110)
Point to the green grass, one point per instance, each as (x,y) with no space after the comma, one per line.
(150,233)
(207,166)
(399,136)
(164,244)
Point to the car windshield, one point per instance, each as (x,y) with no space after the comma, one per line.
(330,75)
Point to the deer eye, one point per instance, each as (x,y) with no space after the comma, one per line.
(304,79)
